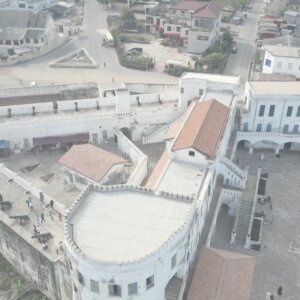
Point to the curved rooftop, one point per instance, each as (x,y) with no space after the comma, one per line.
(124,226)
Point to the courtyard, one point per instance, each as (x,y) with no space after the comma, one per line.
(277,263)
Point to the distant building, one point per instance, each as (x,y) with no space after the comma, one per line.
(85,164)
(294,5)
(284,60)
(195,23)
(26,5)
(24,32)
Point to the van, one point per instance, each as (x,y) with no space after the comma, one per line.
(108,40)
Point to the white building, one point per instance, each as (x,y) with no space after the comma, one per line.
(30,5)
(283,60)
(24,32)
(271,116)
(88,164)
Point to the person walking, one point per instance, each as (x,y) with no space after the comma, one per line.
(30,206)
(104,65)
(42,218)
(280,291)
(51,203)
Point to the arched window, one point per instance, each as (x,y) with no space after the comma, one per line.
(296,128)
(245,126)
(269,128)
(285,128)
(258,127)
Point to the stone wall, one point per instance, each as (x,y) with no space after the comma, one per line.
(52,277)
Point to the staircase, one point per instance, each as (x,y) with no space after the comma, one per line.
(240,174)
(243,218)
(157,135)
(243,221)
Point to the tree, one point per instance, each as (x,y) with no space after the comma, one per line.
(128,19)
(212,60)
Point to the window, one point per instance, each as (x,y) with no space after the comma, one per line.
(132,288)
(1,42)
(258,127)
(285,128)
(150,282)
(36,41)
(191,153)
(271,110)
(289,111)
(80,278)
(114,290)
(178,29)
(22,5)
(104,134)
(202,38)
(201,92)
(279,65)
(268,62)
(27,41)
(296,128)
(298,111)
(169,28)
(261,111)
(182,90)
(94,286)
(290,66)
(173,261)
(269,128)
(245,127)
(8,42)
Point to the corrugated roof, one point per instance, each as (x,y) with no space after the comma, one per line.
(189,5)
(203,128)
(90,161)
(222,275)
(211,11)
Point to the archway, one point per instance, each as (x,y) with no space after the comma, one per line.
(290,146)
(127,132)
(243,144)
(265,145)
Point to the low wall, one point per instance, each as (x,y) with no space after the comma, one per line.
(137,157)
(44,90)
(152,88)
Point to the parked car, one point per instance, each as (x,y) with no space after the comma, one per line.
(135,51)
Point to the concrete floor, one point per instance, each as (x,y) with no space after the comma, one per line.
(275,264)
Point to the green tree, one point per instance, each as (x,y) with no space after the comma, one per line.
(128,19)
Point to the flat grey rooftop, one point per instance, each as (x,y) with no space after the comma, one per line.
(47,176)
(182,178)
(16,195)
(123,226)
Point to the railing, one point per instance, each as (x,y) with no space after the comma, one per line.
(153,133)
(233,167)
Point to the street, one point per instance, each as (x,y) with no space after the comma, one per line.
(239,63)
(94,26)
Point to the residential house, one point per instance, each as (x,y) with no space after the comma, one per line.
(29,5)
(24,31)
(283,60)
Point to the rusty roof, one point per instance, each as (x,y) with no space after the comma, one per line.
(90,161)
(203,128)
(189,5)
(211,11)
(222,275)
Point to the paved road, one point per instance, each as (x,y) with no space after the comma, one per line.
(239,63)
(94,26)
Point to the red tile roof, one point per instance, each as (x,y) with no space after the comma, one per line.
(203,128)
(210,11)
(222,275)
(90,161)
(189,5)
